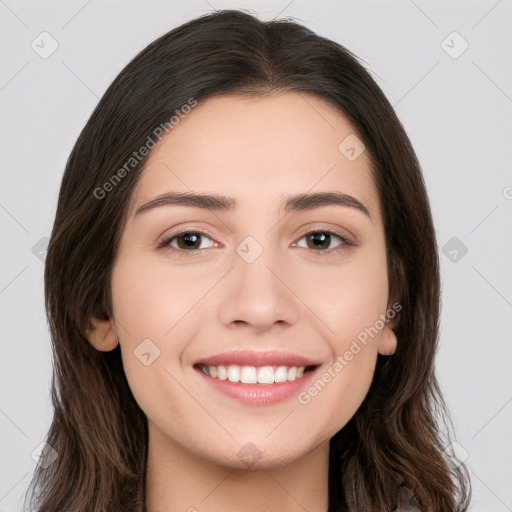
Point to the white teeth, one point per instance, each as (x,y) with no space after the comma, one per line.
(247,375)
(234,373)
(280,374)
(221,372)
(292,372)
(266,375)
(253,374)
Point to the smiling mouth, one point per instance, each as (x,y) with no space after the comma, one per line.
(256,374)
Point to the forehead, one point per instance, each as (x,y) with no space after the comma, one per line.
(259,149)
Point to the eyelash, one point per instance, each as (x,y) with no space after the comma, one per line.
(164,244)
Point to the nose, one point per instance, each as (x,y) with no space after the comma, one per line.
(259,294)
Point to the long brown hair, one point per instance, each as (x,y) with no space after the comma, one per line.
(399,433)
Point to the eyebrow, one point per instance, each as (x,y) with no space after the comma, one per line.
(215,202)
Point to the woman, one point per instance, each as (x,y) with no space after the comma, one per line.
(243,289)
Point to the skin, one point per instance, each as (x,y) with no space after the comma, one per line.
(291,297)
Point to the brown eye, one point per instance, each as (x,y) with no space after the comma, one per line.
(189,240)
(185,241)
(318,240)
(322,241)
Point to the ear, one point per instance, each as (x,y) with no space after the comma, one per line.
(387,344)
(102,334)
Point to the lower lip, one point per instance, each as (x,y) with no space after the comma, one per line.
(259,394)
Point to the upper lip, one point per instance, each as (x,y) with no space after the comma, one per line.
(257,358)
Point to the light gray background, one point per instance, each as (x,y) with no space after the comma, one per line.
(457,110)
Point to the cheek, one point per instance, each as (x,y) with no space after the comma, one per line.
(149,296)
(348,299)
(150,309)
(349,307)
(136,296)
(341,386)
(363,299)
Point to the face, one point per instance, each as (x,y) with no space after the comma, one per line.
(267,287)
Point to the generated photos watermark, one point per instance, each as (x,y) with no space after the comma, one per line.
(143,151)
(304,397)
